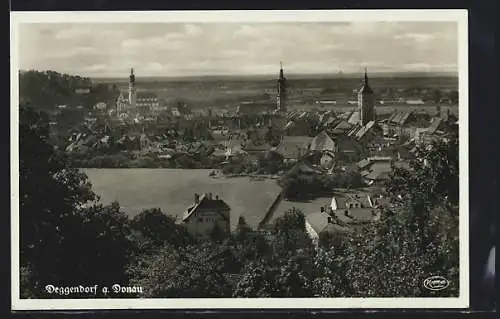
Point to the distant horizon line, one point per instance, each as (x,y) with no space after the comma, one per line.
(242,75)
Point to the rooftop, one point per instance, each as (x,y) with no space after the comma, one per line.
(357,215)
(319,222)
(399,117)
(322,142)
(206,202)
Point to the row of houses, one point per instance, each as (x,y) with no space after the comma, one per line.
(345,214)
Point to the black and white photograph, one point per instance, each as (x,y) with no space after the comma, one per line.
(239,159)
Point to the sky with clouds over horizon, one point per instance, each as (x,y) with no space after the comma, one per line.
(189,49)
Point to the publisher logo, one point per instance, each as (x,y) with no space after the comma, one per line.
(436,283)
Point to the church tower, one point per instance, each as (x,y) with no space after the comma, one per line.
(281,100)
(366,103)
(132,94)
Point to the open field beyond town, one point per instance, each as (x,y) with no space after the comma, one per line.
(172,190)
(304,92)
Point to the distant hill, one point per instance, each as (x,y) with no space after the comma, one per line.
(47,89)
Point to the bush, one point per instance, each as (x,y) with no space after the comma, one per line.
(301,186)
(107,161)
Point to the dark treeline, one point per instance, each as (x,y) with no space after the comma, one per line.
(48,89)
(67,238)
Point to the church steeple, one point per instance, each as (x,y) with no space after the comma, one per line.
(281,99)
(132,76)
(365,88)
(132,95)
(366,102)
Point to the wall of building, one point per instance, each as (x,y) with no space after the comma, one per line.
(202,223)
(312,233)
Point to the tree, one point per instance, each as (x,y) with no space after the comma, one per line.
(283,278)
(65,238)
(330,280)
(416,240)
(433,175)
(392,250)
(159,228)
(242,229)
(289,235)
(190,272)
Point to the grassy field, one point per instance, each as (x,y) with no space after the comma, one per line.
(173,190)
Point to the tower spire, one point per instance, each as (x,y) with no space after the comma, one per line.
(281,98)
(366,76)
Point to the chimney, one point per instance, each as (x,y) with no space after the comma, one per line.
(216,197)
(322,209)
(346,213)
(196,198)
(210,196)
(330,220)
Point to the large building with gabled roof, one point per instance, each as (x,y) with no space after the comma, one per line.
(206,215)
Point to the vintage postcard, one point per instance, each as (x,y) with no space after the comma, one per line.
(239,159)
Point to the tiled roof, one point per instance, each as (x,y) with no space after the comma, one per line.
(354,130)
(322,142)
(399,118)
(356,215)
(343,125)
(365,129)
(364,201)
(205,204)
(354,118)
(319,222)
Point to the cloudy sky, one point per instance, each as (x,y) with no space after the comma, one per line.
(182,49)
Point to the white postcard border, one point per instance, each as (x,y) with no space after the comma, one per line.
(459,16)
